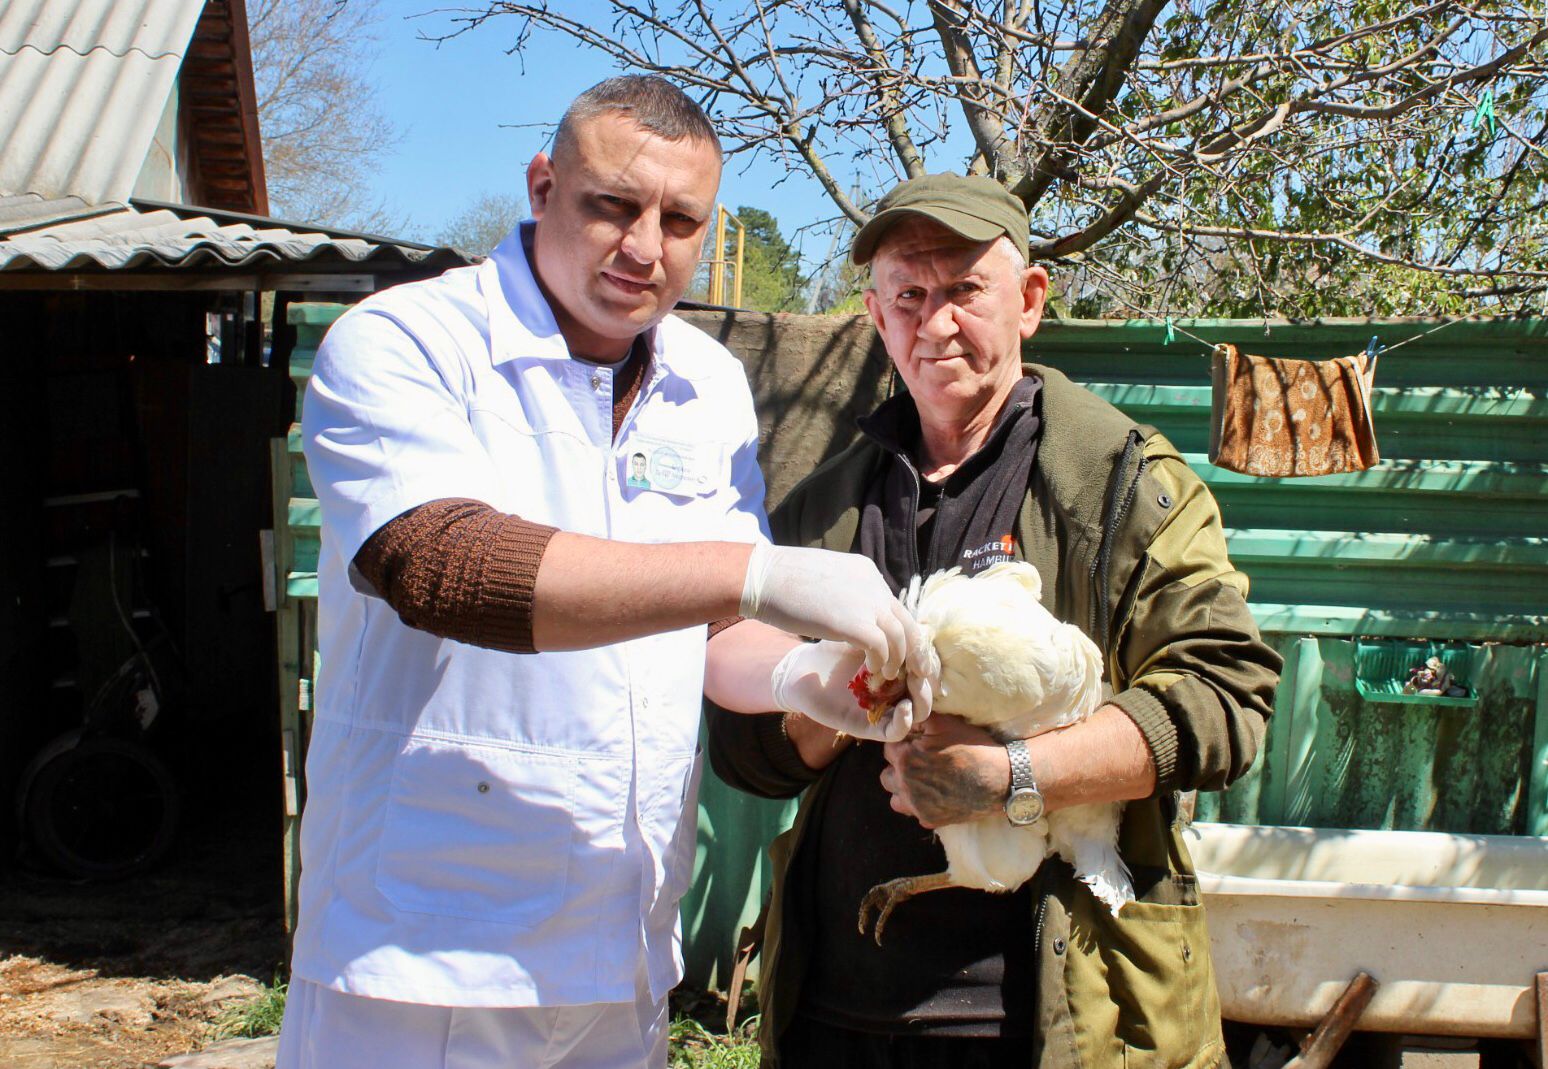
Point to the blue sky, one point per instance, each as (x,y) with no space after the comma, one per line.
(459,106)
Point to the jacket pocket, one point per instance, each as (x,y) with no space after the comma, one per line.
(1142,987)
(478,832)
(682,848)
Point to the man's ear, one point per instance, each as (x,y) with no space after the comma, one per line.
(873,305)
(1034,291)
(540,183)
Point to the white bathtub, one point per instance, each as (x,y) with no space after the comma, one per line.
(1454,927)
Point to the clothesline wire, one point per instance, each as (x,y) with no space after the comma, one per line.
(1211,346)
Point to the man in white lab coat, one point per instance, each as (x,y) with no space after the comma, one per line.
(537,488)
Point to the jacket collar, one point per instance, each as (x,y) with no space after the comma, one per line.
(894,425)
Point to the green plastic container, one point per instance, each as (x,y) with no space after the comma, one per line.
(1381,669)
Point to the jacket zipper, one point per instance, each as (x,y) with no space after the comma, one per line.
(1100,612)
(1037,923)
(913,520)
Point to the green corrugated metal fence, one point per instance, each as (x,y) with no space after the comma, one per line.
(1445,541)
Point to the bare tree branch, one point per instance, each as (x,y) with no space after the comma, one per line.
(887,96)
(970,85)
(1131,197)
(1093,77)
(1235,156)
(322,133)
(1342,240)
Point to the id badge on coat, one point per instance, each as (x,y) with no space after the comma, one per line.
(670,466)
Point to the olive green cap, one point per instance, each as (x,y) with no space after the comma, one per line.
(977,207)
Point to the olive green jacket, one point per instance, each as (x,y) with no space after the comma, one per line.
(1130,547)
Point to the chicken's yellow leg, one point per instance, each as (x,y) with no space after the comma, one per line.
(886,896)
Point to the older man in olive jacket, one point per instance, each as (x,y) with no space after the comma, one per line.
(984,459)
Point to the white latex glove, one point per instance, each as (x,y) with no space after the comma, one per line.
(823,594)
(814,679)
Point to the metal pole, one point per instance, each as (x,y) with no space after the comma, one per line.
(718,264)
(741,237)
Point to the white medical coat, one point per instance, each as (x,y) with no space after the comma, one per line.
(486,828)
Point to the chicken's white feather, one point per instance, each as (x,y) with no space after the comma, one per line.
(1009,666)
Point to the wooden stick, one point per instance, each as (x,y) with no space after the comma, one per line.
(1542,1019)
(1324,1043)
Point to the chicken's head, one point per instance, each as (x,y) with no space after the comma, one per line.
(876,695)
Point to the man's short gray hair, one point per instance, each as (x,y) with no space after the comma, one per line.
(1008,247)
(654,103)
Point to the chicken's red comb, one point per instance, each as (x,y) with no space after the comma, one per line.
(860,687)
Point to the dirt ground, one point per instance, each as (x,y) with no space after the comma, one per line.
(121,975)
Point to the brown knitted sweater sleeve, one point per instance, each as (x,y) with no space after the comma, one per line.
(717,626)
(463,570)
(459,569)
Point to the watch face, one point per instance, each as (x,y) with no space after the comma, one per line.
(1024,806)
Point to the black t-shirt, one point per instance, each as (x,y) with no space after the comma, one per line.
(953,962)
(957,961)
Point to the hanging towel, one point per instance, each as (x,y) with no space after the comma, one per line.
(1281,418)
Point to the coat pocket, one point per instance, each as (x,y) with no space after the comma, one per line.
(478,832)
(683,849)
(1142,987)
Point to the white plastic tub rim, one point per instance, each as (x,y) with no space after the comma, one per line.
(1351,863)
(1453,927)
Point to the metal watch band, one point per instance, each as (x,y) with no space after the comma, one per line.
(1021,765)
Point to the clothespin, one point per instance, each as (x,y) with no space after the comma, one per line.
(1484,112)
(1171,332)
(1373,349)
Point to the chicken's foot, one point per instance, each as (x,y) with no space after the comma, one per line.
(885,897)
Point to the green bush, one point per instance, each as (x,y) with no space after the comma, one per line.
(692,1046)
(259,1016)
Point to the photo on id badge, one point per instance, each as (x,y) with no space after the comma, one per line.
(637,477)
(666,466)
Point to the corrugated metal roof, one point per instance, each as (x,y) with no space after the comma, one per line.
(83,85)
(25,211)
(152,27)
(182,237)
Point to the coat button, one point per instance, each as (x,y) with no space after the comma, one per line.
(1164,500)
(1058,945)
(483,788)
(1187,952)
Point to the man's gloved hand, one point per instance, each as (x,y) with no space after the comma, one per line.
(823,594)
(814,679)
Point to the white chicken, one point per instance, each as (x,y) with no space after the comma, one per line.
(1010,667)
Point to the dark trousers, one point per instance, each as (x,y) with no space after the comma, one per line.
(809,1044)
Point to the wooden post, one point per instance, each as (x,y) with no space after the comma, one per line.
(288,664)
(1324,1043)
(1542,1020)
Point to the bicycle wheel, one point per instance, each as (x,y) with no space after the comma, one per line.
(100,807)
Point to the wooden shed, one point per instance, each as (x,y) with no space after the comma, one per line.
(142,301)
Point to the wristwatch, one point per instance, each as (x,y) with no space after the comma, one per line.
(1024,804)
